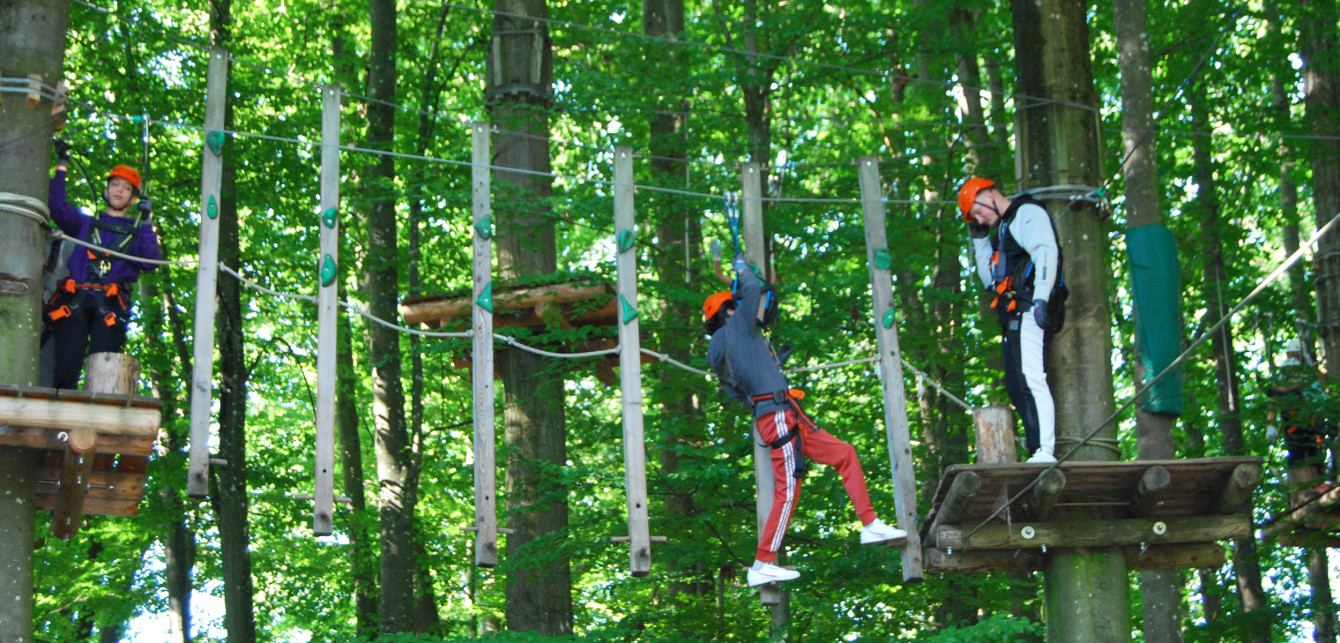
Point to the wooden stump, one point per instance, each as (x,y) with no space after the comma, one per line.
(994,427)
(111,373)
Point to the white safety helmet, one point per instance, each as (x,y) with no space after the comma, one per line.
(1292,349)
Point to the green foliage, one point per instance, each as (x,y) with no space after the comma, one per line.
(997,628)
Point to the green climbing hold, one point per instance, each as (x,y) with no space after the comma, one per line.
(889,318)
(629,313)
(328,270)
(329,218)
(215,142)
(883,259)
(212,208)
(485,300)
(626,239)
(485,229)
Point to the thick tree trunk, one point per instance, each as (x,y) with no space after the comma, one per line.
(1161,588)
(519,91)
(1087,593)
(382,290)
(1321,77)
(1246,565)
(228,489)
(32,41)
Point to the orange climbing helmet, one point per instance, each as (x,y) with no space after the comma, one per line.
(967,195)
(126,172)
(714,303)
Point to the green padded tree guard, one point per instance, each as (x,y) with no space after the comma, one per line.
(1156,279)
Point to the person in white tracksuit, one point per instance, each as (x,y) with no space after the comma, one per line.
(1020,261)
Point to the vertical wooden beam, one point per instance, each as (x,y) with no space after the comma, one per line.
(751,224)
(890,364)
(327,312)
(486,482)
(630,365)
(994,429)
(207,273)
(104,373)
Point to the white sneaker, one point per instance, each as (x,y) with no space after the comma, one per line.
(878,532)
(771,573)
(1042,457)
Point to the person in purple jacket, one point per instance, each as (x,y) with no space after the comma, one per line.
(91,308)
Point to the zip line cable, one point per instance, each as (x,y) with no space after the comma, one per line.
(1280,270)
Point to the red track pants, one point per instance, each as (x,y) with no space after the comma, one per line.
(818,446)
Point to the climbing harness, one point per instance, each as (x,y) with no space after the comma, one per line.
(790,397)
(1014,289)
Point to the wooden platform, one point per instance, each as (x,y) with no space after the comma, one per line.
(1312,521)
(1163,513)
(119,430)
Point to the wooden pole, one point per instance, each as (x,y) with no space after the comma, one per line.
(994,428)
(104,373)
(207,273)
(751,227)
(327,313)
(486,483)
(890,365)
(630,365)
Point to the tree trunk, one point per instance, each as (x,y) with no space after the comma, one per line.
(1321,77)
(1246,565)
(1086,591)
(1321,86)
(382,290)
(519,92)
(228,489)
(32,41)
(679,237)
(1161,588)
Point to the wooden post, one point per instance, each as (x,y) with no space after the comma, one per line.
(1149,493)
(104,373)
(994,428)
(751,227)
(327,312)
(630,365)
(1042,499)
(207,273)
(486,484)
(890,365)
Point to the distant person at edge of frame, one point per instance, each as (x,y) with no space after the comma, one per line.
(1298,402)
(91,308)
(1020,262)
(750,372)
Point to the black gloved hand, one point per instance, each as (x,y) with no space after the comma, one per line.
(145,206)
(62,150)
(979,230)
(1040,313)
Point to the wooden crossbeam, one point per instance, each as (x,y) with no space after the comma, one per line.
(36,437)
(110,493)
(1175,556)
(1099,533)
(422,311)
(61,414)
(1238,489)
(74,481)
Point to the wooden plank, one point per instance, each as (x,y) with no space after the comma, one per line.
(86,397)
(95,505)
(486,519)
(751,228)
(423,311)
(1305,538)
(1099,533)
(630,370)
(34,437)
(207,276)
(61,415)
(890,366)
(327,314)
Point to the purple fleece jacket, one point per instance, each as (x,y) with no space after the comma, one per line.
(80,226)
